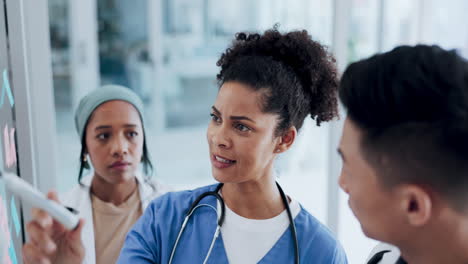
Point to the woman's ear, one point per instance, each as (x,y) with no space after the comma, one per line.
(286,140)
(84,158)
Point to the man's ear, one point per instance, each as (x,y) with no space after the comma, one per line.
(286,140)
(417,204)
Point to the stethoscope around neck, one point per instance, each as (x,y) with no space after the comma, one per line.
(196,204)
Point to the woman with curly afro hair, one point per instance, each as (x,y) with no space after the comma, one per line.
(269,83)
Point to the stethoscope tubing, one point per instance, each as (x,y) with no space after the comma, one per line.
(196,204)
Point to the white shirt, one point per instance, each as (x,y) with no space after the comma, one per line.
(249,240)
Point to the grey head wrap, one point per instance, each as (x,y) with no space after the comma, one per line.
(101,95)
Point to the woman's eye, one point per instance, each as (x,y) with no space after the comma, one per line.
(242,128)
(103,136)
(215,118)
(133,134)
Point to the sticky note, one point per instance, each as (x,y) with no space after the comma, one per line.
(4,232)
(4,220)
(6,145)
(6,89)
(3,248)
(3,252)
(13,254)
(12,147)
(6,259)
(14,216)
(1,162)
(9,146)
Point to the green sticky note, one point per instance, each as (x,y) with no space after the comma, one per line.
(6,89)
(12,253)
(14,216)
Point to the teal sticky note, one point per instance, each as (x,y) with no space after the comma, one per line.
(6,89)
(14,216)
(12,253)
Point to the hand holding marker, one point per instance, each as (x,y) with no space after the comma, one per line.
(32,196)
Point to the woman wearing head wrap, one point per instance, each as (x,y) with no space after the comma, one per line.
(110,124)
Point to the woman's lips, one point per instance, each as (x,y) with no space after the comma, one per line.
(120,165)
(221,162)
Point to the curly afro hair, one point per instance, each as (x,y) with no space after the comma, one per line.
(296,74)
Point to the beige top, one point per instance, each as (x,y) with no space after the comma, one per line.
(111,224)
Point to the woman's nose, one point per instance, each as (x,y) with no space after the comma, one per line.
(119,146)
(220,138)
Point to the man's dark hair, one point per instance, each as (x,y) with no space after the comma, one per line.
(296,74)
(412,105)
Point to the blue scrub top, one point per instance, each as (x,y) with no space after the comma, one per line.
(152,237)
